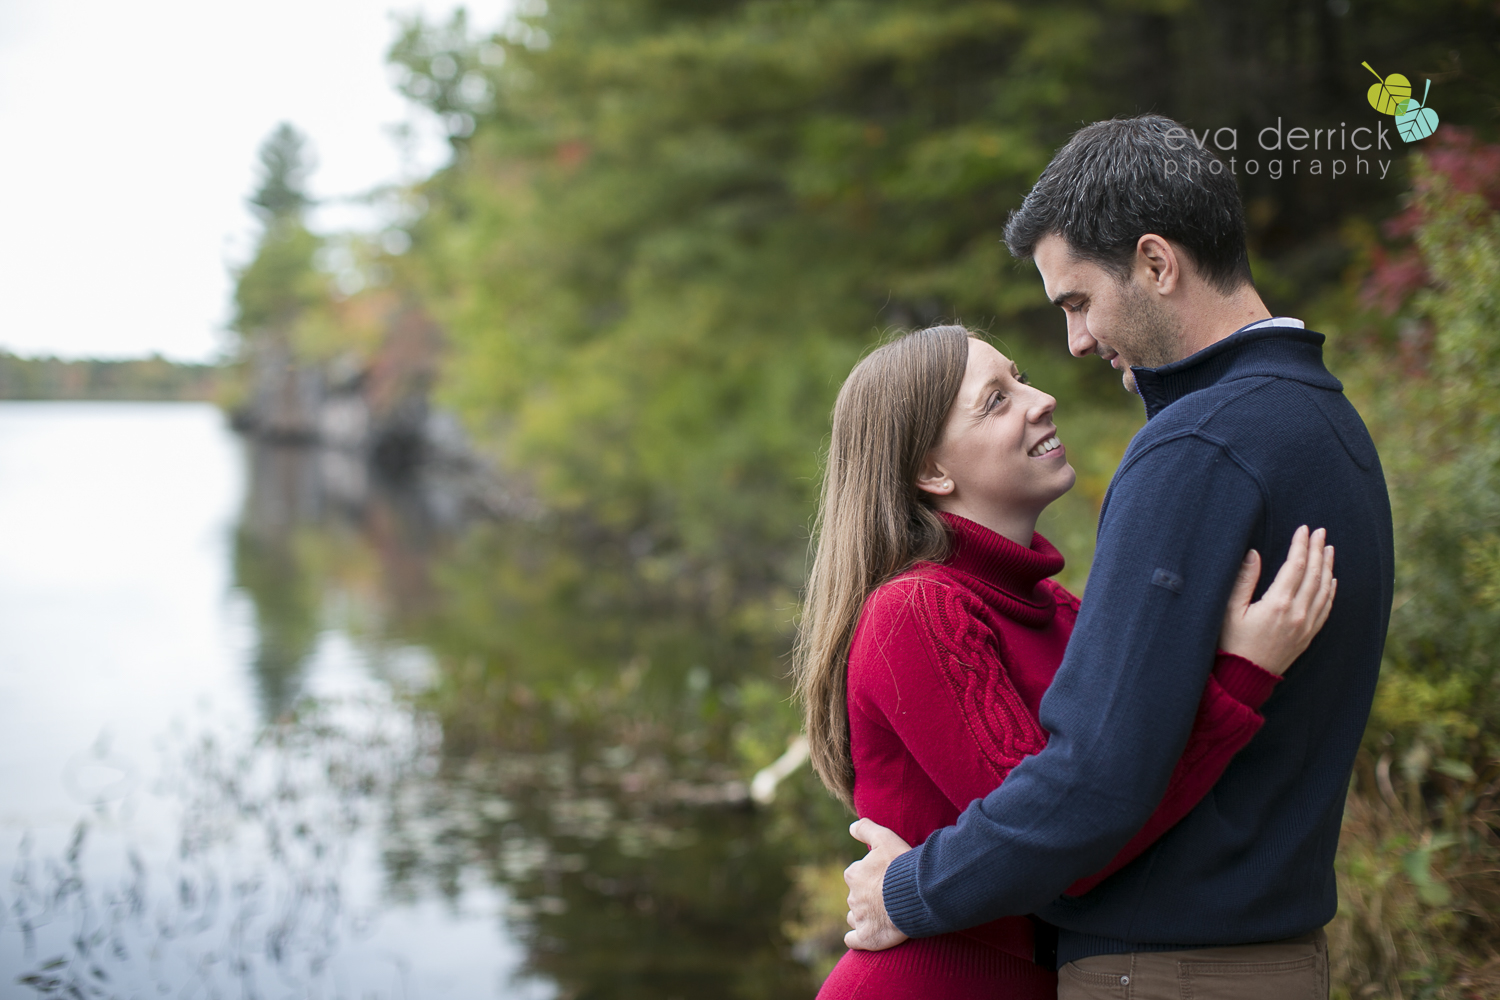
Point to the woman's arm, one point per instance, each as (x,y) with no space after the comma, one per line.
(1276,629)
(927,670)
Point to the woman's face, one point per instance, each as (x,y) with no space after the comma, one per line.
(999,457)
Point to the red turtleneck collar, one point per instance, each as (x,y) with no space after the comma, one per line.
(1008,572)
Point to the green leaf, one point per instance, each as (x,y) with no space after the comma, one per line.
(1455,769)
(1389,94)
(1418,865)
(1434,894)
(1416,122)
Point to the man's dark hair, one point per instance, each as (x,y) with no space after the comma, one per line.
(1117,180)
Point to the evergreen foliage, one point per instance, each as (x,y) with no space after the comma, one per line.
(670,229)
(280,283)
(285,164)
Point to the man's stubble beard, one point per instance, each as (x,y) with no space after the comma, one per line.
(1149,334)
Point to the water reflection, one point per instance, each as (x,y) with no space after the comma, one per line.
(121,636)
(574,760)
(262,893)
(325,539)
(616,896)
(616,699)
(598,705)
(550,746)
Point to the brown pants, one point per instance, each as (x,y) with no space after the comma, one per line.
(1294,969)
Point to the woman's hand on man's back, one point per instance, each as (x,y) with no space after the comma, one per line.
(1275,630)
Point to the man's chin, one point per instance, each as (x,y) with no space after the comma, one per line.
(1127,379)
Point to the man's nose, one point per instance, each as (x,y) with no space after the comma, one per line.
(1080,343)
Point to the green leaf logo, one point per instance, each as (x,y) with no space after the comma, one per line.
(1389,94)
(1416,121)
(1392,96)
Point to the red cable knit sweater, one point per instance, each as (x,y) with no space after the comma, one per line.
(946,674)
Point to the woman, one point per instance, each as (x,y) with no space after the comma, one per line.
(932,630)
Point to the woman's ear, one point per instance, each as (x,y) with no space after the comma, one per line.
(933,478)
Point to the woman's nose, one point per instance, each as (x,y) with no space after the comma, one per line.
(1043,406)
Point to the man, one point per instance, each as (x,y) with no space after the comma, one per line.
(1139,237)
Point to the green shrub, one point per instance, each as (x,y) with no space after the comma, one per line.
(1420,860)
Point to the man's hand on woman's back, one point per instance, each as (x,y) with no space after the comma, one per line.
(873,930)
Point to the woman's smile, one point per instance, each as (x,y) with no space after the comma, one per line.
(1049,448)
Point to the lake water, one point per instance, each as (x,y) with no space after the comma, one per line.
(269,727)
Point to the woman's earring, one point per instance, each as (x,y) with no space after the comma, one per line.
(948,486)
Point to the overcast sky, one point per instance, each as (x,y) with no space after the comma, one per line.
(128,133)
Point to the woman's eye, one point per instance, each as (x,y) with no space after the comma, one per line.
(1023,379)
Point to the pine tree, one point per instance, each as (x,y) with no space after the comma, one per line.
(285,164)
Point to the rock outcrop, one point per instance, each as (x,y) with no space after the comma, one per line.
(377,407)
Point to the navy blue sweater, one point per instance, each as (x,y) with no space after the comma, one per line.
(1244,441)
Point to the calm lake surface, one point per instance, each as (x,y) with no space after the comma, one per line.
(270,727)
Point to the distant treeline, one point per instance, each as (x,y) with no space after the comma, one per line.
(152,378)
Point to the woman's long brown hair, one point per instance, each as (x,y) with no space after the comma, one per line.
(873,522)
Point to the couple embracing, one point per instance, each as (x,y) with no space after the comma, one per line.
(1137,795)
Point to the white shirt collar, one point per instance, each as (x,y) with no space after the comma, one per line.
(1275,321)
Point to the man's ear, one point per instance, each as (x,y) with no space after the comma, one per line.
(1158,261)
(933,478)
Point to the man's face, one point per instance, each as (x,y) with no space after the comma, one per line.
(1121,321)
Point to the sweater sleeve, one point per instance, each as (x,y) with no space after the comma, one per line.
(924,667)
(935,677)
(1227,719)
(1119,712)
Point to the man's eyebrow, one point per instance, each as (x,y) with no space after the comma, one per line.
(1065,296)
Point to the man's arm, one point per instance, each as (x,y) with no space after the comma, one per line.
(1178,521)
(1227,719)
